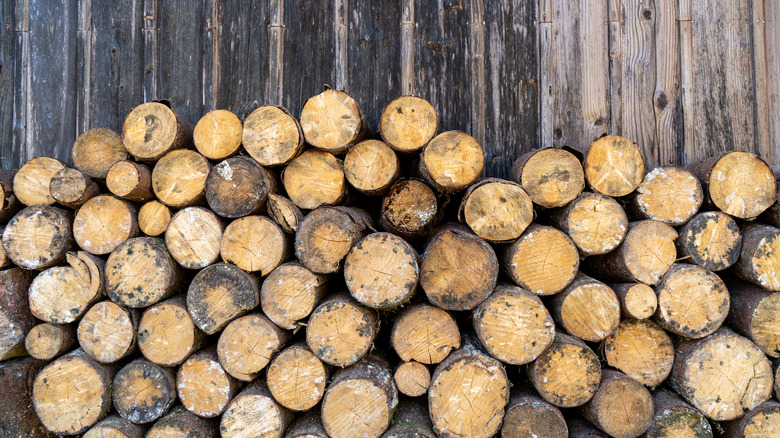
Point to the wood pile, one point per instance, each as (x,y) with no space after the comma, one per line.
(306,278)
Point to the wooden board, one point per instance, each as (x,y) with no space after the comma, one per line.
(8,56)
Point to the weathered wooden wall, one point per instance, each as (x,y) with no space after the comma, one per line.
(682,78)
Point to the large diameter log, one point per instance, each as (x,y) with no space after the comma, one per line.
(238,186)
(552,177)
(193,237)
(371,167)
(130,180)
(673,417)
(307,425)
(410,209)
(587,309)
(219,294)
(217,135)
(107,332)
(96,150)
(458,270)
(38,237)
(642,350)
(722,375)
(513,325)
(115,426)
(290,293)
(204,388)
(755,314)
(313,179)
(332,121)
(141,272)
(166,333)
(341,331)
(621,407)
(468,393)
(711,239)
(567,374)
(692,301)
(297,378)
(760,422)
(543,260)
(528,415)
(596,223)
(757,261)
(668,194)
(15,317)
(72,188)
(408,123)
(327,234)
(425,334)
(737,183)
(452,161)
(272,136)
(182,423)
(410,420)
(255,244)
(32,181)
(104,222)
(360,400)
(143,391)
(153,129)
(153,218)
(47,341)
(637,300)
(16,385)
(247,344)
(254,413)
(179,178)
(412,378)
(613,166)
(284,212)
(496,210)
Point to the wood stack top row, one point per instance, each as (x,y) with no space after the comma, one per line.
(304,277)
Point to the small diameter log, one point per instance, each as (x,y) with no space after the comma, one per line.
(637,300)
(313,179)
(182,423)
(72,188)
(217,135)
(179,178)
(307,425)
(63,293)
(107,332)
(425,334)
(96,150)
(153,129)
(193,237)
(596,223)
(247,344)
(496,210)
(72,393)
(452,161)
(668,194)
(755,314)
(290,293)
(360,400)
(16,385)
(38,237)
(458,270)
(327,234)
(412,378)
(130,180)
(692,301)
(15,317)
(238,187)
(141,272)
(528,415)
(381,271)
(48,341)
(143,391)
(642,350)
(166,333)
(410,209)
(254,413)
(341,331)
(115,426)
(567,374)
(613,166)
(675,418)
(371,167)
(272,136)
(219,294)
(204,388)
(332,121)
(587,309)
(408,123)
(621,407)
(410,420)
(760,422)
(737,183)
(32,181)
(711,239)
(153,218)
(543,260)
(284,212)
(552,177)
(297,378)
(644,256)
(513,325)
(104,222)
(255,244)
(9,205)
(758,259)
(468,393)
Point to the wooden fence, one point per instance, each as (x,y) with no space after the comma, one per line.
(683,78)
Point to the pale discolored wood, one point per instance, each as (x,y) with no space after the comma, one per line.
(179,178)
(143,391)
(371,167)
(567,374)
(543,260)
(104,222)
(220,293)
(290,293)
(326,235)
(594,222)
(193,237)
(496,210)
(711,239)
(759,257)
(16,320)
(254,413)
(238,186)
(38,237)
(284,212)
(272,136)
(255,244)
(32,181)
(613,166)
(96,150)
(675,418)
(247,344)
(451,161)
(341,331)
(528,415)
(47,341)
(425,334)
(587,309)
(761,422)
(153,218)
(72,188)
(152,129)
(408,123)
(332,121)
(308,425)
(63,293)
(130,180)
(755,313)
(621,407)
(668,194)
(552,177)
(166,333)
(297,378)
(182,423)
(313,179)
(722,375)
(107,332)
(410,420)
(410,209)
(513,325)
(642,350)
(115,426)
(141,272)
(217,135)
(412,378)
(637,300)
(203,387)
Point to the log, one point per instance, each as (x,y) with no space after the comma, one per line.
(528,415)
(668,194)
(141,272)
(613,166)
(673,417)
(543,260)
(756,314)
(179,178)
(313,179)
(96,150)
(360,400)
(219,294)
(341,331)
(32,181)
(104,222)
(552,177)
(9,205)
(513,325)
(621,407)
(408,123)
(272,136)
(692,301)
(48,341)
(72,188)
(16,320)
(412,378)
(332,121)
(381,271)
(238,186)
(63,293)
(410,209)
(451,161)
(107,332)
(711,239)
(758,257)
(217,135)
(410,420)
(254,413)
(193,237)
(581,428)
(255,244)
(131,181)
(5,262)
(153,218)
(458,269)
(637,300)
(567,374)
(284,212)
(327,234)
(143,391)
(204,388)
(587,309)
(722,375)
(166,333)
(38,237)
(641,350)
(153,129)
(290,293)
(182,423)
(247,344)
(115,426)
(308,425)
(297,378)
(595,223)
(16,385)
(424,334)
(761,421)
(496,210)
(371,167)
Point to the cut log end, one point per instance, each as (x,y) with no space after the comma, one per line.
(47,341)
(543,260)
(711,239)
(153,129)
(104,222)
(327,234)
(247,344)
(621,407)
(741,184)
(72,188)
(452,161)
(220,293)
(528,415)
(332,121)
(153,218)
(107,332)
(497,210)
(131,181)
(217,135)
(587,309)
(203,387)
(425,334)
(614,166)
(238,186)
(313,179)
(290,293)
(687,284)
(254,413)
(143,392)
(297,378)
(272,136)
(31,184)
(96,150)
(668,194)
(179,178)
(408,123)
(567,374)
(341,331)
(637,300)
(412,378)
(596,223)
(166,333)
(410,209)
(552,177)
(371,167)
(255,244)
(758,257)
(641,350)
(193,237)
(141,272)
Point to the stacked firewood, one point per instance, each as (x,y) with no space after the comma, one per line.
(305,278)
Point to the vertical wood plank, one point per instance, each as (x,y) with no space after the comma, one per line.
(687,97)
(477,61)
(766,43)
(83,65)
(546,75)
(275,52)
(595,78)
(615,31)
(8,86)
(666,98)
(341,63)
(151,50)
(407,47)
(21,80)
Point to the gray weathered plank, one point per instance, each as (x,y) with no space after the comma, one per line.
(687,89)
(407,47)
(666,98)
(8,87)
(766,42)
